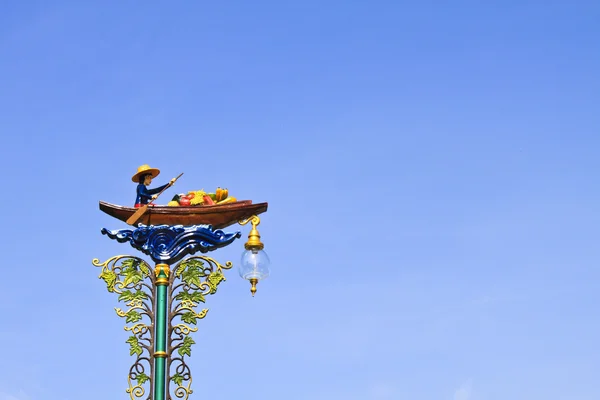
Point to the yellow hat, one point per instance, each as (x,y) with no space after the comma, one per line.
(143,170)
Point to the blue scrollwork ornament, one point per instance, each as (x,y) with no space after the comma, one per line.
(169,244)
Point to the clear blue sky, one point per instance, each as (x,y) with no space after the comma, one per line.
(431,170)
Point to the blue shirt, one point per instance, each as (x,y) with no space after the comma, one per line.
(144,195)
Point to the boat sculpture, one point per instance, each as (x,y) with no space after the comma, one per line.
(218,215)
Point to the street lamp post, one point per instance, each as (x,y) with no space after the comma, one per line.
(161,303)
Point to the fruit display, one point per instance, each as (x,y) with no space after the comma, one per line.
(201,198)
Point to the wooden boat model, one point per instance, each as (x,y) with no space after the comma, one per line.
(218,215)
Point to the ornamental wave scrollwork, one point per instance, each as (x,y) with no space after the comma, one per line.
(172,243)
(127,276)
(192,279)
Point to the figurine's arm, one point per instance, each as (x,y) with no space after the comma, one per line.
(156,190)
(146,194)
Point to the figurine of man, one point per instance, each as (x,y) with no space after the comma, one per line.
(143,177)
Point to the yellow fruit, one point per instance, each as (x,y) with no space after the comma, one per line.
(172,203)
(197,200)
(228,200)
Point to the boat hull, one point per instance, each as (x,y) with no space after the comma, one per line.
(219,216)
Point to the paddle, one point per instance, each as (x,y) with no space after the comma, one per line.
(142,210)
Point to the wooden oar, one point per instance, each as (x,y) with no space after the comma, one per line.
(142,210)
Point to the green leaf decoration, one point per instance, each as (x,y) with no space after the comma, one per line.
(144,268)
(194,297)
(186,347)
(195,263)
(189,318)
(126,295)
(110,278)
(213,281)
(140,295)
(142,378)
(197,297)
(178,379)
(191,276)
(135,347)
(183,295)
(130,263)
(133,316)
(132,275)
(180,269)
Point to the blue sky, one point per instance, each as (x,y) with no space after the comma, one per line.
(430,168)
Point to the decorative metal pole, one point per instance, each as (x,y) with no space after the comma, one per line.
(162,305)
(160,352)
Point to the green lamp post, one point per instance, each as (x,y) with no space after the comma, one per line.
(162,303)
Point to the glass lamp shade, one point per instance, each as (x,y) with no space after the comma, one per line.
(254,264)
